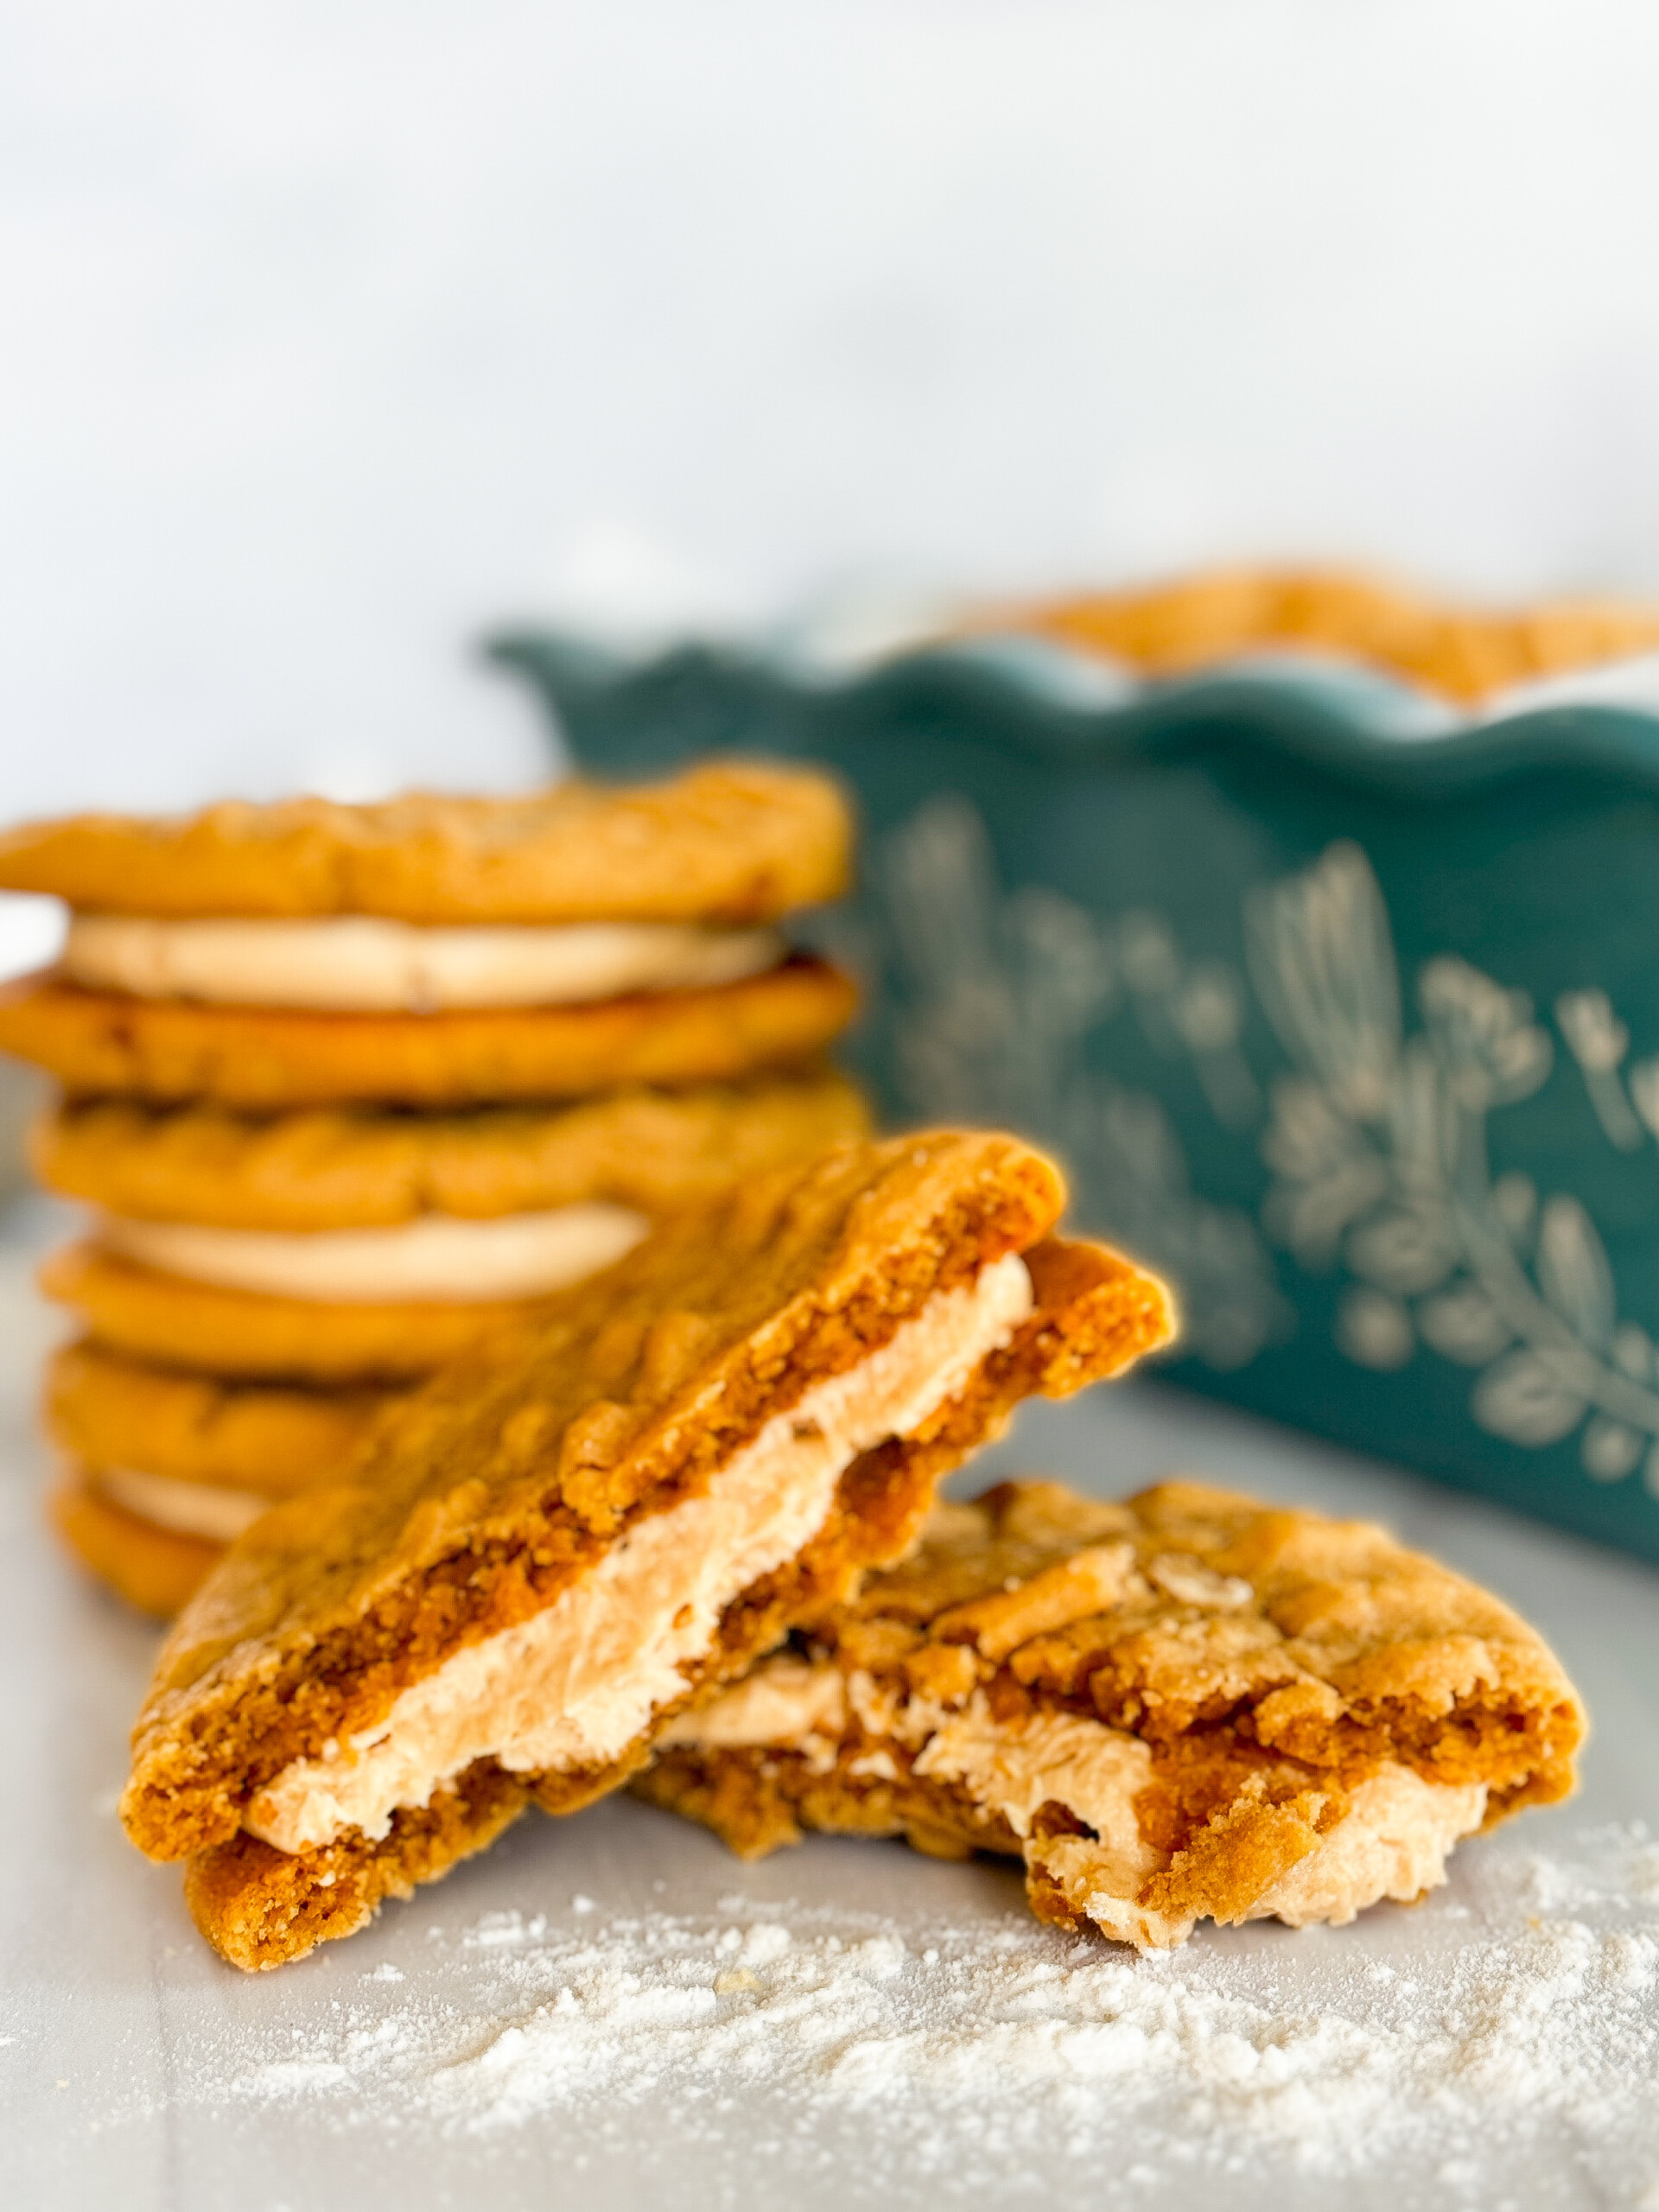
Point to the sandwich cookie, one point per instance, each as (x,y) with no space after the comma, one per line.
(436,951)
(342,1244)
(1188,1706)
(535,1566)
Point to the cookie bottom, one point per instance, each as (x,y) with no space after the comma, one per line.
(259,1908)
(245,1335)
(272,1058)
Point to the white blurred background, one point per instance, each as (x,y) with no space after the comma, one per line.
(335,330)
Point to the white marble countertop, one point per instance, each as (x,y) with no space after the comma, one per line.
(136,2069)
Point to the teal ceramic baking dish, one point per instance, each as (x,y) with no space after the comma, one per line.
(1343,1010)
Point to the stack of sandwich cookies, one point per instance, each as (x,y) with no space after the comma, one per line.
(352,1089)
(1183,1707)
(536,1564)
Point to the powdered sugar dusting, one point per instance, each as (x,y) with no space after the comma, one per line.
(1500,2040)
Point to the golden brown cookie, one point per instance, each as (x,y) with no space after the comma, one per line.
(269,1059)
(1189,1706)
(536,1564)
(241,1334)
(726,841)
(334,1167)
(108,1411)
(1464,655)
(155,1570)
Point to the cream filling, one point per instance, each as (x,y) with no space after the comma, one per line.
(1095,1772)
(438,1256)
(186,1509)
(778,1706)
(1392,1841)
(359,963)
(574,1686)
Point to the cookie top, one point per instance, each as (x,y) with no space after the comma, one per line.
(727,841)
(335,1168)
(479,1500)
(1463,654)
(1190,1609)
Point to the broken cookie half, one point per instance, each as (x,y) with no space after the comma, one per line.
(534,1565)
(1187,1707)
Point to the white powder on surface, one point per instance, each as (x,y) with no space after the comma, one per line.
(1497,2045)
